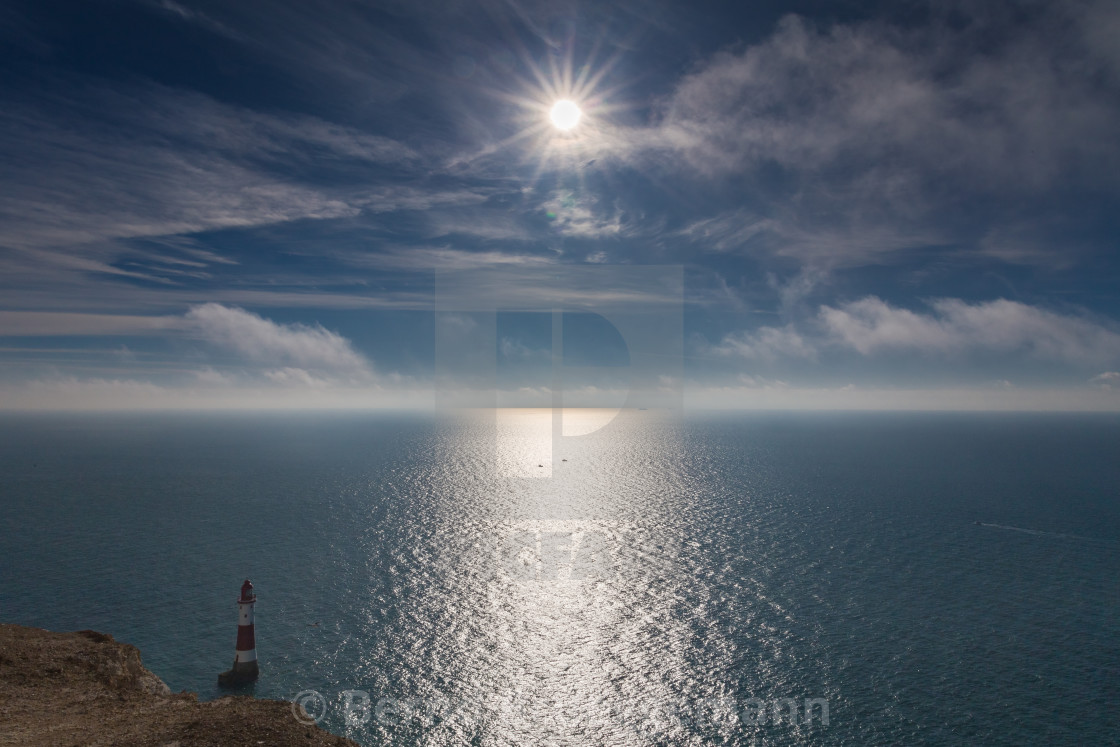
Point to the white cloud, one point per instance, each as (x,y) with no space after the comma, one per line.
(876,95)
(581,217)
(1107,380)
(458,323)
(765,344)
(950,327)
(512,349)
(296,377)
(210,377)
(415,258)
(879,132)
(263,341)
(870,325)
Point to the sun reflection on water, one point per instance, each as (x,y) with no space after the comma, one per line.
(554,616)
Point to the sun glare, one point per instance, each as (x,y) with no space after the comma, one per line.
(565,117)
(565,114)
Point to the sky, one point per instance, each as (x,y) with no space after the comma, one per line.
(901,205)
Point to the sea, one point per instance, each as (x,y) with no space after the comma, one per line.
(661,579)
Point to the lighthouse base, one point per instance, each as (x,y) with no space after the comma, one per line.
(242,673)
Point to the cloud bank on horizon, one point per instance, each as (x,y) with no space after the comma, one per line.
(902,205)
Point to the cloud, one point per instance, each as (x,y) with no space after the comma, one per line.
(419,258)
(761,395)
(870,325)
(93,166)
(859,141)
(816,244)
(510,349)
(1027,243)
(89,393)
(765,344)
(479,224)
(296,377)
(1100,26)
(1107,380)
(951,328)
(875,95)
(263,341)
(51,323)
(286,389)
(573,287)
(210,377)
(402,197)
(193,16)
(581,217)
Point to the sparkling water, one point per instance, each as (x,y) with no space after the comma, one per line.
(873,579)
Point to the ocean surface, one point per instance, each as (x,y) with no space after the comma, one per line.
(756,579)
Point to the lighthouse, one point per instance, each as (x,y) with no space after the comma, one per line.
(244,668)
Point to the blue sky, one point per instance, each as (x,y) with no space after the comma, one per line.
(903,205)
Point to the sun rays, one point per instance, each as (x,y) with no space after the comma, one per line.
(562,114)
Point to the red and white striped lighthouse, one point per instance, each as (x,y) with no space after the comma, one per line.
(245,661)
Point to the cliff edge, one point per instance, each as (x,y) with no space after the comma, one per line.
(84,688)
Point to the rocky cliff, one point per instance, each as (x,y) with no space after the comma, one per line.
(84,688)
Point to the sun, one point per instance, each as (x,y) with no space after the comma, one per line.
(565,114)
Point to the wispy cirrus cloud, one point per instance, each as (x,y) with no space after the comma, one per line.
(421,258)
(55,323)
(481,225)
(817,245)
(192,15)
(103,186)
(159,162)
